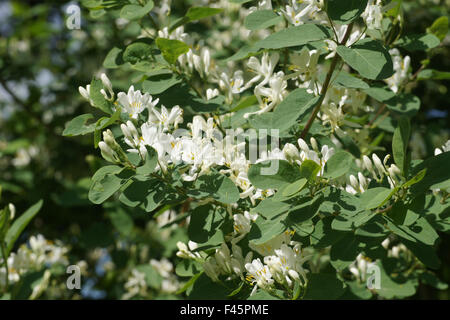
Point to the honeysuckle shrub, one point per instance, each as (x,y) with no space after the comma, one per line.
(272,146)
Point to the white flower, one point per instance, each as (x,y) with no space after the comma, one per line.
(444,148)
(131,134)
(86,93)
(300,12)
(359,267)
(166,118)
(164,267)
(341,31)
(134,102)
(268,247)
(286,264)
(264,68)
(135,284)
(211,93)
(185,251)
(273,94)
(242,222)
(259,274)
(107,84)
(401,69)
(373,15)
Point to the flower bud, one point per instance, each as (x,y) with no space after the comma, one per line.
(12,210)
(107,153)
(302,144)
(85,92)
(367,163)
(107,83)
(109,139)
(291,152)
(314,144)
(354,182)
(378,165)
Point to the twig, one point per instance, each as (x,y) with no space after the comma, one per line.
(325,85)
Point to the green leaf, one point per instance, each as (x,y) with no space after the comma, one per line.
(369,57)
(376,197)
(149,193)
(309,169)
(245,103)
(400,144)
(439,27)
(425,253)
(24,288)
(416,179)
(418,42)
(420,231)
(323,286)
(98,99)
(187,268)
(190,283)
(432,280)
(344,251)
(77,126)
(151,160)
(305,211)
(171,49)
(103,188)
(381,94)
(405,104)
(338,165)
(391,289)
(217,186)
(152,277)
(262,295)
(346,80)
(350,221)
(395,8)
(433,74)
(204,226)
(295,36)
(344,12)
(265,230)
(114,58)
(205,289)
(137,51)
(244,52)
(159,83)
(323,235)
(294,187)
(136,12)
(19,225)
(261,19)
(437,177)
(298,103)
(269,208)
(261,174)
(197,13)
